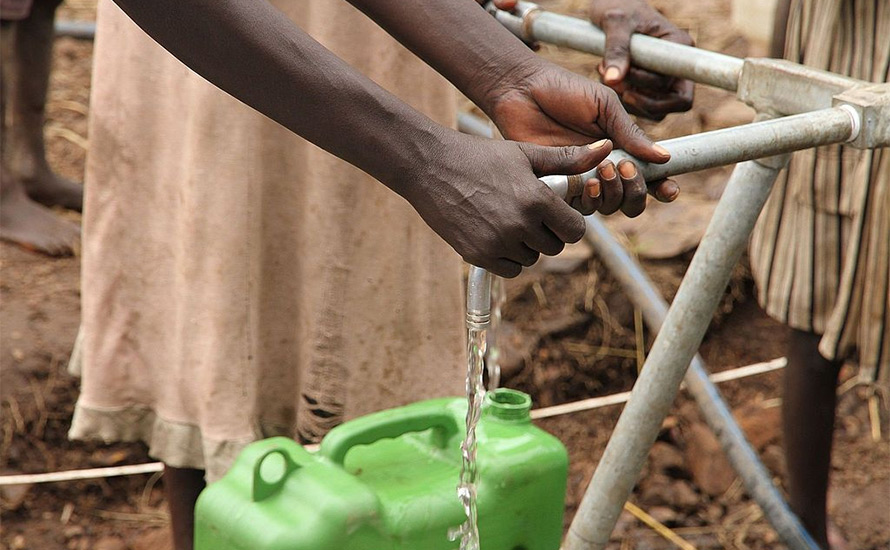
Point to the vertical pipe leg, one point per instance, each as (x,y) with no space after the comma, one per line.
(742,456)
(674,348)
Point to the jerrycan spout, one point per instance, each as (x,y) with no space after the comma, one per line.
(508,405)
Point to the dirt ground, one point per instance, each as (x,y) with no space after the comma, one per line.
(579,339)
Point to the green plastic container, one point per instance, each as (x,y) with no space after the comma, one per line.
(388,481)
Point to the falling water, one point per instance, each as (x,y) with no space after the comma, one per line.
(468,532)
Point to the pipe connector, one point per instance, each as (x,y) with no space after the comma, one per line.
(478,298)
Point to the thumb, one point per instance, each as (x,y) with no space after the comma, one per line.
(571,159)
(616,59)
(627,135)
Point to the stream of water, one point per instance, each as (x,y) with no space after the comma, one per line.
(468,532)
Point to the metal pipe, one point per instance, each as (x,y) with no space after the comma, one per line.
(85,30)
(478,298)
(731,145)
(719,418)
(673,349)
(748,142)
(744,459)
(530,23)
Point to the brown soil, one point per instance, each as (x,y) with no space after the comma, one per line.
(588,348)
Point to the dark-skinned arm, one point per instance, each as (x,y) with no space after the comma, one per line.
(481,196)
(527,97)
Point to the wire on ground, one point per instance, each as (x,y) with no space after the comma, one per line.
(547,412)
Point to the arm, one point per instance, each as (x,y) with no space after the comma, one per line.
(643,93)
(481,196)
(528,98)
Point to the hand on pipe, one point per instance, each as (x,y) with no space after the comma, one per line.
(548,105)
(483,197)
(643,92)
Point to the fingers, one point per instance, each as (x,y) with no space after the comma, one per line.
(618,27)
(622,189)
(664,190)
(565,160)
(503,267)
(591,198)
(506,5)
(656,106)
(634,189)
(544,241)
(612,189)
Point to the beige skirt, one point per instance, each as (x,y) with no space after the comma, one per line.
(820,252)
(238,282)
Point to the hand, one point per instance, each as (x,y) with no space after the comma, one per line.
(644,93)
(548,105)
(483,197)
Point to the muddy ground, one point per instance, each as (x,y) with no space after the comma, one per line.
(579,336)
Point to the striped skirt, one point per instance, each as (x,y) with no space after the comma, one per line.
(820,252)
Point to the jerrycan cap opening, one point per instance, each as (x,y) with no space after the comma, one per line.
(507,404)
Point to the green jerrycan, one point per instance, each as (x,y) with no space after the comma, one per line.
(388,481)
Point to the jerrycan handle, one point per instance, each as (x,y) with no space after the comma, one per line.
(270,472)
(386,425)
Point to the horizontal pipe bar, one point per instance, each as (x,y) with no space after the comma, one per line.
(669,58)
(746,142)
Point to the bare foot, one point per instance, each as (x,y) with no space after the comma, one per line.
(836,539)
(35,227)
(50,189)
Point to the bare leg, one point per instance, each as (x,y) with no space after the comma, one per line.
(808,410)
(182,487)
(28,78)
(22,220)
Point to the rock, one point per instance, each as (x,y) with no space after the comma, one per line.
(684,496)
(111,543)
(663,514)
(664,458)
(762,425)
(710,469)
(72,531)
(660,490)
(155,539)
(13,496)
(655,490)
(19,542)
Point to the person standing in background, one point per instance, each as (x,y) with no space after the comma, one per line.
(820,253)
(26,179)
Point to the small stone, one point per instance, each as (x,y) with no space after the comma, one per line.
(18,354)
(110,543)
(762,425)
(71,531)
(684,496)
(663,514)
(664,457)
(18,542)
(13,496)
(710,469)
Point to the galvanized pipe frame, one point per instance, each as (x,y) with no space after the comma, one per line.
(772,86)
(673,349)
(744,459)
